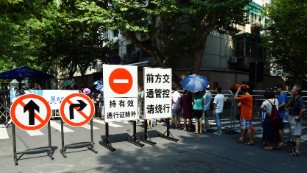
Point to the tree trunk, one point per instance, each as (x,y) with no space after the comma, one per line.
(198,54)
(153,50)
(71,70)
(207,26)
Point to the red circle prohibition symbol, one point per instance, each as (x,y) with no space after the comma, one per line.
(120,81)
(87,116)
(19,101)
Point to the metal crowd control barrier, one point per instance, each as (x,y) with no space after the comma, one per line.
(4,105)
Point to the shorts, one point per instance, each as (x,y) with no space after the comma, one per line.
(197,113)
(175,113)
(281,125)
(295,126)
(246,124)
(186,116)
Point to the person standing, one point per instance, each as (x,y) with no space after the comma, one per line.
(176,97)
(218,106)
(198,102)
(207,102)
(246,114)
(270,134)
(282,100)
(141,104)
(186,105)
(101,104)
(296,111)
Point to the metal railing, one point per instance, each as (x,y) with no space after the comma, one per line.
(230,107)
(4,105)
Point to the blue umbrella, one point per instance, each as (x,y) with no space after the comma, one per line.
(24,72)
(194,83)
(99,85)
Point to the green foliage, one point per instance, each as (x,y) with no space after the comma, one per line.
(50,34)
(17,45)
(64,33)
(161,20)
(289,36)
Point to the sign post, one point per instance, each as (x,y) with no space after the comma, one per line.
(76,110)
(107,142)
(31,112)
(120,98)
(157,97)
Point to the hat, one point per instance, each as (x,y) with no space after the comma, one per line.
(86,91)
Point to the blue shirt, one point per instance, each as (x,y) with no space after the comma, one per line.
(282,98)
(207,101)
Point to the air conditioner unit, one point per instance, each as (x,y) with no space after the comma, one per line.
(115,39)
(233,60)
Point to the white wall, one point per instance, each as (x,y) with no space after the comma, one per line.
(219,48)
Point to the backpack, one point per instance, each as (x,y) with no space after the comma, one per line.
(274,118)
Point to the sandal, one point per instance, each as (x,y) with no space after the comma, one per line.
(249,143)
(294,153)
(240,141)
(291,151)
(268,148)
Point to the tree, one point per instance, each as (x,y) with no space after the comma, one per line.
(50,34)
(288,38)
(16,46)
(159,19)
(70,38)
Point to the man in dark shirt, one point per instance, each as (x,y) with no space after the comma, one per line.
(296,111)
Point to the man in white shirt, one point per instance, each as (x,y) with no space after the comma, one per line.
(218,102)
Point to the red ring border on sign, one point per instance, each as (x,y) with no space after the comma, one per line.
(66,99)
(27,96)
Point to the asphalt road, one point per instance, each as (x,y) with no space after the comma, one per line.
(191,154)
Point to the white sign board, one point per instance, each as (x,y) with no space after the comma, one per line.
(157,92)
(120,81)
(54,97)
(120,109)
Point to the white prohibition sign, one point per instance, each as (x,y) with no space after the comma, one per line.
(77,109)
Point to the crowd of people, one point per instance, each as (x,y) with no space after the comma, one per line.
(276,112)
(290,113)
(197,106)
